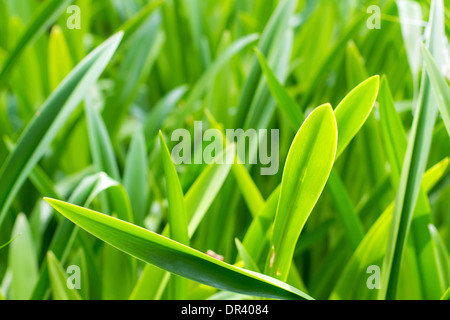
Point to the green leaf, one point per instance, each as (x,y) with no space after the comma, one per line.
(208,76)
(58,280)
(260,225)
(143,49)
(133,24)
(270,39)
(59,61)
(354,110)
(197,201)
(159,113)
(48,121)
(117,274)
(414,165)
(175,257)
(100,142)
(442,256)
(440,87)
(370,252)
(286,103)
(247,186)
(396,143)
(64,237)
(249,263)
(351,114)
(205,189)
(135,177)
(306,172)
(412,32)
(177,210)
(446,295)
(352,225)
(23,261)
(249,190)
(46,15)
(177,213)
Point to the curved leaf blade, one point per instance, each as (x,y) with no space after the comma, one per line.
(306,172)
(175,257)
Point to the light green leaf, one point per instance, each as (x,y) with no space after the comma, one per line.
(270,38)
(23,261)
(58,280)
(44,17)
(440,87)
(175,257)
(446,295)
(306,172)
(159,113)
(135,178)
(354,110)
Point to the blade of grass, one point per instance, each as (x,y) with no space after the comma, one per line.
(208,76)
(351,114)
(101,146)
(205,189)
(286,103)
(135,176)
(442,256)
(352,282)
(66,232)
(306,172)
(276,26)
(134,23)
(175,257)
(439,85)
(396,144)
(247,186)
(23,260)
(49,119)
(59,60)
(414,165)
(197,201)
(143,49)
(159,113)
(177,214)
(446,295)
(9,242)
(249,263)
(58,280)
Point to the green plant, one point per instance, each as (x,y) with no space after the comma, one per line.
(89,117)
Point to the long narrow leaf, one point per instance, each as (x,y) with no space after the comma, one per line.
(175,257)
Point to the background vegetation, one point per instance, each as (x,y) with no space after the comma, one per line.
(364,182)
